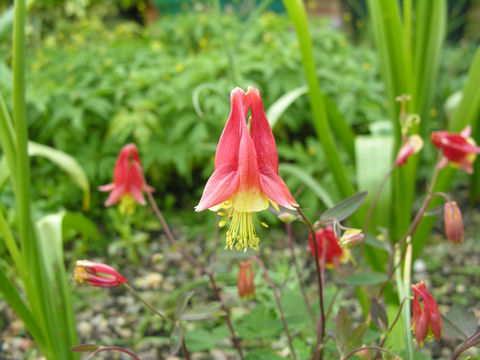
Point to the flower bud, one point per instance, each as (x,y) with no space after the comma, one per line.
(412,146)
(453,222)
(286,217)
(96,274)
(351,238)
(246,287)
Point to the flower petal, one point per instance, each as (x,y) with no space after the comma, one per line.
(115,195)
(108,187)
(220,186)
(137,194)
(261,133)
(276,190)
(229,143)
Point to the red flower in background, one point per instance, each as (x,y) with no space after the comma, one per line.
(96,274)
(128,180)
(458,149)
(246,176)
(246,287)
(334,254)
(412,145)
(426,319)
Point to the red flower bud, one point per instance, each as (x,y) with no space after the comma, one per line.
(411,146)
(453,222)
(96,274)
(246,287)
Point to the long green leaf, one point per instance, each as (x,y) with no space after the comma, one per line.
(278,107)
(67,163)
(297,13)
(308,180)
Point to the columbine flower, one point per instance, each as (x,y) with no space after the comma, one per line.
(334,254)
(412,145)
(128,181)
(426,319)
(351,238)
(96,274)
(452,217)
(459,149)
(246,287)
(246,177)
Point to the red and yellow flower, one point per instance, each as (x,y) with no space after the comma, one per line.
(246,178)
(97,274)
(453,221)
(128,181)
(329,248)
(426,318)
(458,149)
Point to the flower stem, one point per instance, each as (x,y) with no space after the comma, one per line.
(367,348)
(319,279)
(146,303)
(279,305)
(297,271)
(196,264)
(113,348)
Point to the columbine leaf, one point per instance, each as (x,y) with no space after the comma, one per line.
(355,338)
(343,328)
(203,313)
(176,338)
(365,278)
(459,322)
(379,315)
(182,304)
(345,208)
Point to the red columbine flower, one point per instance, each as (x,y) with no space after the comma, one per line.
(246,287)
(128,181)
(246,176)
(334,254)
(459,149)
(96,274)
(412,145)
(452,217)
(425,316)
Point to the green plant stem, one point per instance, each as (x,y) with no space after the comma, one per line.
(319,280)
(367,348)
(11,244)
(279,304)
(297,13)
(7,139)
(131,250)
(196,264)
(146,303)
(297,271)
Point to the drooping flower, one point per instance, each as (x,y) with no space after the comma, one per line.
(128,181)
(351,238)
(96,274)
(328,242)
(458,149)
(426,318)
(453,221)
(412,145)
(246,287)
(246,178)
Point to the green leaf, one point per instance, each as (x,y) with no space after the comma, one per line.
(212,310)
(182,304)
(262,354)
(67,163)
(365,278)
(345,208)
(343,329)
(379,315)
(280,105)
(459,322)
(176,338)
(308,180)
(355,338)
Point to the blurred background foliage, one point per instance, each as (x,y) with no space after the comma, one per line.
(104,73)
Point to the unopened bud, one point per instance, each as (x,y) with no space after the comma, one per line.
(453,222)
(412,145)
(286,217)
(246,287)
(351,238)
(96,274)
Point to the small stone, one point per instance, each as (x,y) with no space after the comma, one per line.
(460,288)
(419,266)
(85,328)
(17,327)
(153,281)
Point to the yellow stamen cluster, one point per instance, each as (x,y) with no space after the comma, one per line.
(241,232)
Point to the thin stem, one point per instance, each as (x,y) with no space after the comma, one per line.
(146,303)
(112,348)
(288,227)
(279,305)
(367,348)
(196,264)
(319,276)
(466,346)
(185,350)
